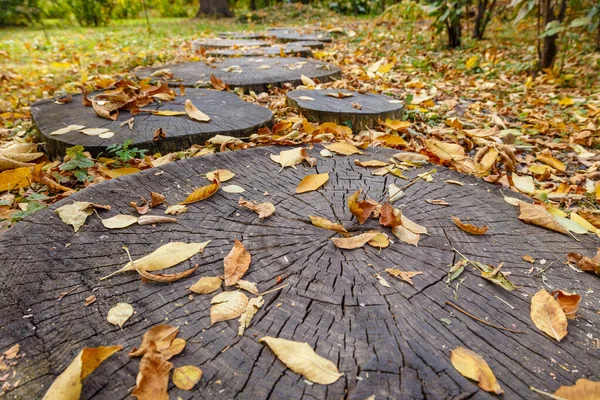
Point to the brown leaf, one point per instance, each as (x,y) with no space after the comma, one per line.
(403,275)
(152,381)
(585,263)
(206,285)
(156,199)
(165,278)
(186,377)
(159,134)
(312,182)
(217,83)
(324,223)
(361,210)
(194,113)
(592,218)
(90,300)
(227,305)
(538,215)
(236,263)
(175,348)
(469,228)
(203,192)
(161,335)
(471,365)
(548,316)
(569,302)
(154,219)
(142,206)
(354,242)
(264,210)
(371,163)
(582,390)
(388,216)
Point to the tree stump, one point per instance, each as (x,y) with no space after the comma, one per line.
(359,111)
(284,36)
(229,116)
(226,43)
(313,44)
(240,35)
(271,51)
(256,74)
(391,342)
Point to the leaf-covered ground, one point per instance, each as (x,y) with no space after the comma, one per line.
(478,109)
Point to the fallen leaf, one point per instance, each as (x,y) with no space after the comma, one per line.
(382,281)
(251,309)
(538,215)
(343,148)
(339,95)
(203,192)
(193,112)
(412,226)
(381,240)
(396,124)
(119,314)
(154,219)
(371,163)
(585,263)
(161,336)
(152,382)
(392,140)
(579,220)
(119,221)
(159,134)
(68,384)
(227,305)
(354,242)
(454,182)
(548,316)
(303,360)
(186,377)
(236,263)
(582,390)
(305,98)
(361,210)
(528,258)
(389,216)
(156,199)
(235,189)
(469,228)
(12,352)
(165,256)
(293,157)
(524,184)
(89,300)
(406,235)
(471,365)
(456,270)
(306,81)
(324,223)
(75,214)
(67,129)
(206,285)
(176,209)
(248,286)
(15,178)
(224,175)
(168,113)
(165,278)
(403,275)
(437,202)
(494,275)
(175,348)
(142,206)
(445,151)
(94,131)
(569,302)
(551,161)
(312,182)
(264,210)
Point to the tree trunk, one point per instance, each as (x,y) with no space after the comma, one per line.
(549,48)
(454,33)
(214,8)
(252,5)
(598,39)
(484,14)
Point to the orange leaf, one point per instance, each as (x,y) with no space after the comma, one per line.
(324,223)
(582,390)
(473,366)
(152,381)
(361,210)
(236,263)
(264,210)
(403,275)
(569,302)
(203,192)
(312,182)
(472,229)
(354,242)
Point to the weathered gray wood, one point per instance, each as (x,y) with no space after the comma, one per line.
(388,342)
(285,36)
(359,111)
(229,116)
(226,43)
(271,51)
(241,35)
(313,44)
(252,76)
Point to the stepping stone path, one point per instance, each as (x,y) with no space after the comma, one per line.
(390,341)
(240,35)
(297,37)
(292,49)
(256,74)
(229,116)
(226,43)
(313,44)
(358,110)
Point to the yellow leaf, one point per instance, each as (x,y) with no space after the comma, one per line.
(380,240)
(445,151)
(119,221)
(403,275)
(193,112)
(204,192)
(251,309)
(306,81)
(406,235)
(324,223)
(236,263)
(566,101)
(227,305)
(548,316)
(582,222)
(385,68)
(302,359)
(537,215)
(472,62)
(119,314)
(396,124)
(551,161)
(371,163)
(168,113)
(224,175)
(293,157)
(68,384)
(186,377)
(312,182)
(354,242)
(115,173)
(343,148)
(392,140)
(473,366)
(582,390)
(164,257)
(206,285)
(15,178)
(524,184)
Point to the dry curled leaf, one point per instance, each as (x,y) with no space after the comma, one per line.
(154,219)
(119,314)
(152,382)
(67,386)
(324,223)
(569,302)
(156,199)
(471,365)
(142,206)
(585,263)
(494,275)
(186,377)
(236,263)
(251,309)
(293,157)
(403,275)
(193,112)
(312,182)
(165,256)
(354,242)
(583,389)
(203,192)
(538,215)
(469,228)
(302,359)
(248,286)
(165,278)
(206,285)
(361,210)
(176,209)
(388,216)
(264,210)
(161,335)
(548,316)
(227,305)
(371,163)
